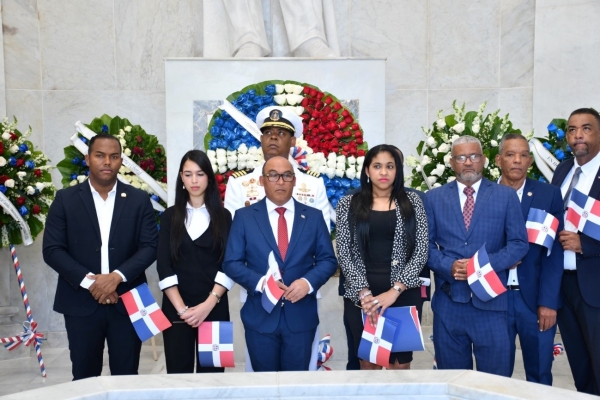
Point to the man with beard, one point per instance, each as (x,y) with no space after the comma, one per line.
(579,318)
(463,215)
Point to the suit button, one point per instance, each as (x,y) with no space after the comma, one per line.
(466,244)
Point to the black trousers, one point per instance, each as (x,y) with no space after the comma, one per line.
(86,343)
(181,350)
(579,325)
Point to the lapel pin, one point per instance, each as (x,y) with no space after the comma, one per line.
(529,194)
(302,215)
(123,194)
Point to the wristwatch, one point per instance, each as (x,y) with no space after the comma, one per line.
(397,289)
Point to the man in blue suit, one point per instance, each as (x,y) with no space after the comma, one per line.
(534,285)
(299,239)
(579,317)
(463,215)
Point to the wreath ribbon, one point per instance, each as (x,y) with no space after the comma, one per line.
(544,160)
(13,212)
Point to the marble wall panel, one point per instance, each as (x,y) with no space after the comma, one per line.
(77,41)
(406,113)
(21,31)
(463,42)
(215,32)
(146,32)
(144,108)
(516,43)
(518,102)
(342,22)
(566,59)
(396,30)
(26,105)
(62,109)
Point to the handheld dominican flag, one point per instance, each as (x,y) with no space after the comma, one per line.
(541,228)
(482,278)
(584,214)
(376,342)
(215,344)
(325,353)
(271,293)
(146,316)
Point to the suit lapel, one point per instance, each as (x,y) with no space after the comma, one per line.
(262,221)
(455,205)
(299,222)
(482,198)
(526,199)
(595,189)
(85,192)
(120,200)
(561,173)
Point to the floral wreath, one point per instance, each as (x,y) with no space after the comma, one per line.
(432,168)
(148,157)
(332,145)
(548,152)
(26,189)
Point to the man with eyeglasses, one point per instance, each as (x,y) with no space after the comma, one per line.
(463,215)
(298,239)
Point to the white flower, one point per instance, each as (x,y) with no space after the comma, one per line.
(453,138)
(30,190)
(435,152)
(450,179)
(322,169)
(2,161)
(360,160)
(475,128)
(411,161)
(436,185)
(439,170)
(73,182)
(127,128)
(14,149)
(28,153)
(6,135)
(21,175)
(222,169)
(298,110)
(351,160)
(291,88)
(214,167)
(444,148)
(493,143)
(81,178)
(459,128)
(487,162)
(136,184)
(331,163)
(431,179)
(431,142)
(293,99)
(441,123)
(121,132)
(279,99)
(123,143)
(331,155)
(221,153)
(495,173)
(40,186)
(279,88)
(242,149)
(221,161)
(232,165)
(351,173)
(145,187)
(213,154)
(447,158)
(241,165)
(418,168)
(341,160)
(425,160)
(330,172)
(127,152)
(339,173)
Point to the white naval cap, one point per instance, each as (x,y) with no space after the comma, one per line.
(281,117)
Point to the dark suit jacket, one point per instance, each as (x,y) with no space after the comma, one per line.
(539,274)
(588,262)
(496,221)
(72,243)
(310,255)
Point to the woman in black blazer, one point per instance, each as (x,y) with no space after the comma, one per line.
(191,245)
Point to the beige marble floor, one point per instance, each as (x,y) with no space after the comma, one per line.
(23,374)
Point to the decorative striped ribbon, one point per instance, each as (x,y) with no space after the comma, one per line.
(325,353)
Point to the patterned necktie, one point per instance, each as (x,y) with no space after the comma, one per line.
(282,233)
(469,206)
(574,181)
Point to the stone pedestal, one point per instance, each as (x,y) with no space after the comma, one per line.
(9,328)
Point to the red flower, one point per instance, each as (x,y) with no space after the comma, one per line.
(222,187)
(20,200)
(3,178)
(345,113)
(328,100)
(37,172)
(13,136)
(1,148)
(312,92)
(359,141)
(304,103)
(164,179)
(138,151)
(144,165)
(307,90)
(320,95)
(358,134)
(337,106)
(151,167)
(20,162)
(354,127)
(165,168)
(139,139)
(343,124)
(361,153)
(158,150)
(36,209)
(219,178)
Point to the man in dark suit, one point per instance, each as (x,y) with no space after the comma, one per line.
(100,237)
(297,236)
(463,215)
(579,318)
(534,285)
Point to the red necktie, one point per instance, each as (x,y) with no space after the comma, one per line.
(282,233)
(469,206)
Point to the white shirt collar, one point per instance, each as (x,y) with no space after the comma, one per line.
(289,206)
(520,190)
(462,186)
(113,190)
(590,167)
(190,207)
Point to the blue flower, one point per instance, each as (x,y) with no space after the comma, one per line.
(560,155)
(330,192)
(225,115)
(104,128)
(542,179)
(75,160)
(87,172)
(560,134)
(12,161)
(2,188)
(219,121)
(251,93)
(83,163)
(23,210)
(547,145)
(84,140)
(154,197)
(73,176)
(568,148)
(29,164)
(215,130)
(355,183)
(552,127)
(270,90)
(23,148)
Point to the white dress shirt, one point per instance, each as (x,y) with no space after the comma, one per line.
(586,180)
(513,279)
(104,212)
(462,196)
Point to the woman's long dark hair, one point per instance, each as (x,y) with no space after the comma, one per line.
(362,201)
(212,199)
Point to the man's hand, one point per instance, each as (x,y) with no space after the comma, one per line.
(104,285)
(570,241)
(546,318)
(296,291)
(459,269)
(113,298)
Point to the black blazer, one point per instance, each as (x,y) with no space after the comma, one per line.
(72,243)
(588,269)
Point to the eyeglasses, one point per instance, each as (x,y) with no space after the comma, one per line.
(274,176)
(473,157)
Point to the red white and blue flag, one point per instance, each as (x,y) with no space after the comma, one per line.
(215,344)
(541,228)
(583,214)
(376,342)
(146,316)
(482,278)
(271,293)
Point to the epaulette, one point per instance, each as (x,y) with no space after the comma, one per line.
(241,173)
(310,172)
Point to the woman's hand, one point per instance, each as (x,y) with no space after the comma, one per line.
(194,316)
(373,306)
